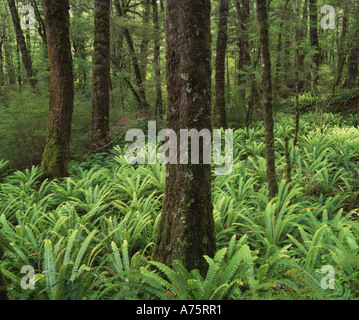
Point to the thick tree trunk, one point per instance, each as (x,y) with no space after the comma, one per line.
(262,16)
(220,64)
(56,154)
(22,44)
(100,133)
(186,228)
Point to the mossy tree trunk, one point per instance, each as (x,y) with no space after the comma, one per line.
(220,64)
(101,76)
(26,59)
(186,227)
(262,16)
(56,154)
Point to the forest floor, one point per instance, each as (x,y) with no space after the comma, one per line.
(91,236)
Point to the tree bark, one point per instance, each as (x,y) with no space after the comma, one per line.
(41,28)
(262,16)
(220,64)
(243,15)
(56,154)
(186,228)
(145,40)
(136,66)
(100,133)
(251,103)
(314,42)
(26,59)
(341,53)
(1,62)
(156,62)
(352,75)
(10,69)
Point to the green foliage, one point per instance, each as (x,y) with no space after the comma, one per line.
(90,236)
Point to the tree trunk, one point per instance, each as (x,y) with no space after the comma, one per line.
(262,16)
(314,42)
(352,74)
(41,28)
(156,62)
(56,155)
(341,54)
(22,44)
(186,228)
(303,33)
(220,64)
(279,62)
(1,63)
(136,66)
(100,134)
(10,69)
(297,79)
(251,103)
(243,15)
(145,40)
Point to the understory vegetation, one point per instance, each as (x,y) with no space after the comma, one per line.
(91,235)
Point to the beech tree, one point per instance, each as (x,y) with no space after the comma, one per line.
(186,227)
(56,155)
(101,76)
(262,16)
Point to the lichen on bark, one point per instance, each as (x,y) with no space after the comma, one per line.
(186,227)
(56,154)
